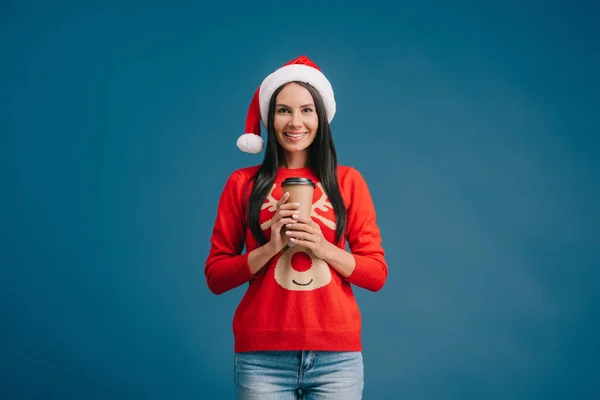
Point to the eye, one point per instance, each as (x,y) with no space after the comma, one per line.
(282,111)
(308,110)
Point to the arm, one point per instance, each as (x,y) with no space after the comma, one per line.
(225,267)
(364,237)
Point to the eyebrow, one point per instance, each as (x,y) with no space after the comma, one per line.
(303,105)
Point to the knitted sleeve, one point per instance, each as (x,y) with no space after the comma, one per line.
(225,267)
(364,237)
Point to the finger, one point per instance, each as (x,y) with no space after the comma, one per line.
(303,236)
(283,199)
(311,222)
(302,219)
(305,243)
(300,226)
(283,222)
(287,213)
(308,222)
(289,206)
(283,214)
(286,222)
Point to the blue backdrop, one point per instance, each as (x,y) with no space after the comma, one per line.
(475,125)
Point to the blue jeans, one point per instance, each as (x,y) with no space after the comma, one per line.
(308,375)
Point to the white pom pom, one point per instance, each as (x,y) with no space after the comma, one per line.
(250,143)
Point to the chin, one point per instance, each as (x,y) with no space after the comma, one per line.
(295,149)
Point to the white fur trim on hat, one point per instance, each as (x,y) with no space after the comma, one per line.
(250,143)
(301,73)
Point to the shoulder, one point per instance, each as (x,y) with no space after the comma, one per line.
(243,175)
(353,185)
(348,174)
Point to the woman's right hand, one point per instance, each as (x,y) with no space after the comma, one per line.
(282,217)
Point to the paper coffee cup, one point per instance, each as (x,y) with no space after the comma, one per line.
(301,191)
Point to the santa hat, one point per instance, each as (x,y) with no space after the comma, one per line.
(301,69)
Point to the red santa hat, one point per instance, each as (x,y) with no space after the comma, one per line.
(302,69)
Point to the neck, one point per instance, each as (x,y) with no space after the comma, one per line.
(296,160)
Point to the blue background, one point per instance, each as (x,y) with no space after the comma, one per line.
(475,126)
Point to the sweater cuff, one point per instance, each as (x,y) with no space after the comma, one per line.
(241,269)
(235,273)
(367,274)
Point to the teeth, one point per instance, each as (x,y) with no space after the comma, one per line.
(295,135)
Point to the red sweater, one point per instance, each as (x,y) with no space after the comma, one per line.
(296,302)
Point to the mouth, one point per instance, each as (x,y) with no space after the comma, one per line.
(302,284)
(294,137)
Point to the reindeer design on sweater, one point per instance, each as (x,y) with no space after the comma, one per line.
(297,268)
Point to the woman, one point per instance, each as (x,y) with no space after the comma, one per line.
(297,328)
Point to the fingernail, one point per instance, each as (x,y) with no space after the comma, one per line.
(295,215)
(296,204)
(288,233)
(289,225)
(297,212)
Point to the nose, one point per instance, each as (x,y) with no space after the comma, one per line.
(296,120)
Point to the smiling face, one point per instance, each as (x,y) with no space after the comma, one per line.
(295,120)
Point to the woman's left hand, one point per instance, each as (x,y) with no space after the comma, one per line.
(306,232)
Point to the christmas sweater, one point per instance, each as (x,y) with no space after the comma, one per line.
(296,301)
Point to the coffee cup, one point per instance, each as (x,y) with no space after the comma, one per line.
(301,191)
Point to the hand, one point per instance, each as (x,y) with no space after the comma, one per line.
(282,217)
(306,232)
